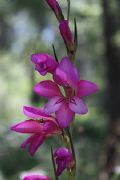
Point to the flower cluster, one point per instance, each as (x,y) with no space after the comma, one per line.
(65,94)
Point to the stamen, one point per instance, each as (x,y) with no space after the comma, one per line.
(60,100)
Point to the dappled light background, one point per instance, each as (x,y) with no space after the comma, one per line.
(28,27)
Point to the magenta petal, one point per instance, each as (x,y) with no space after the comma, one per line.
(47,89)
(86,88)
(60,77)
(34,112)
(77,105)
(28,141)
(28,126)
(62,152)
(61,167)
(42,72)
(67,74)
(38,58)
(34,142)
(64,116)
(38,141)
(51,127)
(53,104)
(36,177)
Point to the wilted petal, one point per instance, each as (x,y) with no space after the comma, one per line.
(53,104)
(44,63)
(77,105)
(65,116)
(35,112)
(47,89)
(36,177)
(67,73)
(28,126)
(86,88)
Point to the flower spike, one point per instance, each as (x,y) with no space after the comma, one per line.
(65,93)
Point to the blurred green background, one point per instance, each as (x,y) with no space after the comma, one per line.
(27,27)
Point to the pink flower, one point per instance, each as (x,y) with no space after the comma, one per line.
(65,106)
(44,63)
(37,177)
(66,34)
(40,129)
(67,74)
(64,159)
(56,9)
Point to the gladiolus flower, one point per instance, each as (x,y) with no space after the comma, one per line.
(37,177)
(66,34)
(66,74)
(44,63)
(40,129)
(56,9)
(64,159)
(65,106)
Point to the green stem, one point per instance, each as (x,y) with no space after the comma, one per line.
(69,144)
(73,151)
(54,166)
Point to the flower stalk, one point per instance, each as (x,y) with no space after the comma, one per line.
(58,114)
(73,150)
(54,166)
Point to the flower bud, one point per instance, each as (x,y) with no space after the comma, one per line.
(56,9)
(64,160)
(44,63)
(67,34)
